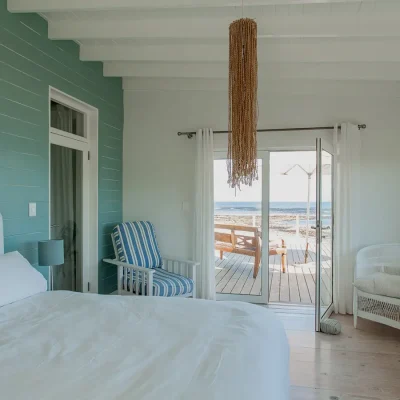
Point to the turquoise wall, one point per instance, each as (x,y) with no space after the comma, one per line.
(29,64)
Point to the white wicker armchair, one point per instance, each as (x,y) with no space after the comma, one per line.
(383,309)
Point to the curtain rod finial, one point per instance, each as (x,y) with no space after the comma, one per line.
(188,134)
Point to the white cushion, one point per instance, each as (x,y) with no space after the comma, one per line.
(18,279)
(380,283)
(392,270)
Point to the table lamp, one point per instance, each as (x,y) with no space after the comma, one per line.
(51,252)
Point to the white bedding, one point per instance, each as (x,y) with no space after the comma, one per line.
(64,345)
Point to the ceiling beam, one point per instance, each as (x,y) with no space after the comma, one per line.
(301,51)
(295,71)
(91,5)
(365,90)
(211,28)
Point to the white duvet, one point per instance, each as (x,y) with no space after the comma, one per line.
(64,345)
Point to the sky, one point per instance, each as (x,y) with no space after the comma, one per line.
(291,187)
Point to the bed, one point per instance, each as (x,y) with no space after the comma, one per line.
(65,345)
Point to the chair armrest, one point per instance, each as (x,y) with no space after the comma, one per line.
(130,266)
(141,280)
(185,268)
(181,260)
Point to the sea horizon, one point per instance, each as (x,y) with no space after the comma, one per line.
(290,208)
(287,207)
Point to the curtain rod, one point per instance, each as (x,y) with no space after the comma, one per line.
(310,128)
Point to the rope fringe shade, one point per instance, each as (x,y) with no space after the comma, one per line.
(243,113)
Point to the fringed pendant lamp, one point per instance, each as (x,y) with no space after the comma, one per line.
(243,107)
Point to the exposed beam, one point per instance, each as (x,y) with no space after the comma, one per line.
(380,25)
(298,51)
(364,90)
(294,71)
(83,5)
(174,84)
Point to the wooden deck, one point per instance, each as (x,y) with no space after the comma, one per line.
(234,274)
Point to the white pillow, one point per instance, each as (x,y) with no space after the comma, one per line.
(392,270)
(18,279)
(380,283)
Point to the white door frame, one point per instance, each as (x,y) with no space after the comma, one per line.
(263,298)
(322,145)
(275,143)
(88,145)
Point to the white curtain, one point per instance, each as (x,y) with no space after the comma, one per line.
(204,214)
(67,119)
(63,213)
(347,214)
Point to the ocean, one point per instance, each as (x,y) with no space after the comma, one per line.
(276,208)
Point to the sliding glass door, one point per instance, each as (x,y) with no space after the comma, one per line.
(241,234)
(324,232)
(292,204)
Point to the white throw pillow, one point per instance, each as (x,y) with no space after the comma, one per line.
(18,279)
(380,283)
(366,284)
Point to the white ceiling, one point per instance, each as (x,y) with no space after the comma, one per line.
(150,42)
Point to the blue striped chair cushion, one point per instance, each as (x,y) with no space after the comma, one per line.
(165,284)
(135,243)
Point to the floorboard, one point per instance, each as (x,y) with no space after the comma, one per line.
(294,293)
(230,271)
(235,282)
(274,268)
(256,289)
(362,364)
(358,364)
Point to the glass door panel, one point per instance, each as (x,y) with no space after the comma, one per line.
(324,232)
(240,232)
(292,227)
(66,119)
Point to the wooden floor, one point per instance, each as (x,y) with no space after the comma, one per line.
(358,364)
(234,274)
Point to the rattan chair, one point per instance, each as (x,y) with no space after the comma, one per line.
(379,258)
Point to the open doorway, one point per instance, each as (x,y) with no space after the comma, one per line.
(274,239)
(66,215)
(241,217)
(293,226)
(73,193)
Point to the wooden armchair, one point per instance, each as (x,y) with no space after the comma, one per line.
(234,241)
(141,269)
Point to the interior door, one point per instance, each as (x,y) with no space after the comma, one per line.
(324,232)
(241,234)
(69,211)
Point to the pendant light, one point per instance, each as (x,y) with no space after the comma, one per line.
(243,106)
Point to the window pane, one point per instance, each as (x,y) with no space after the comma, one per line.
(66,119)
